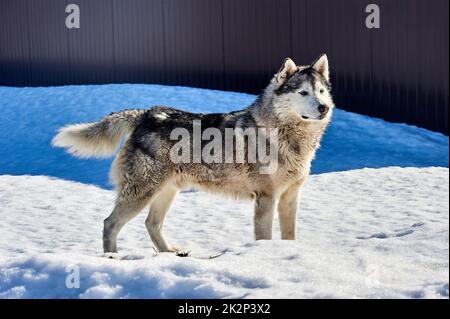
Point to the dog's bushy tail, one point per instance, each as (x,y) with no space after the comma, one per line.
(97,139)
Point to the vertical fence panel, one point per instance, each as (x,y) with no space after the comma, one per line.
(409,66)
(139,41)
(194,42)
(442,24)
(15,56)
(433,61)
(91,47)
(257,37)
(323,26)
(48,42)
(393,61)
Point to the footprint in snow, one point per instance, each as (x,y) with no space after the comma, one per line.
(396,233)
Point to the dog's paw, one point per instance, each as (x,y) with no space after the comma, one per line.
(112,255)
(182,253)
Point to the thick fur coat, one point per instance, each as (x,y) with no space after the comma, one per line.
(296,105)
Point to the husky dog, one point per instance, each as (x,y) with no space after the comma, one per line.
(297,102)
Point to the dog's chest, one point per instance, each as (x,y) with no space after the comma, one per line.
(295,156)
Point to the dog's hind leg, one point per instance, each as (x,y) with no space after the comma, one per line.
(155,220)
(264,214)
(123,212)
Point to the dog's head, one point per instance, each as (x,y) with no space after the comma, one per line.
(303,91)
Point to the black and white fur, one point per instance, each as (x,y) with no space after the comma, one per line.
(297,102)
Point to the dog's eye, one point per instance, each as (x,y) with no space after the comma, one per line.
(322,90)
(304,93)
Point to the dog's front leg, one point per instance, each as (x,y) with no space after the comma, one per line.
(264,211)
(287,212)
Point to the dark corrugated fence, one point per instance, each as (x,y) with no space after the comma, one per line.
(398,72)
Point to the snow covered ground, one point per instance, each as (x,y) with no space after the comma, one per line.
(362,233)
(377,232)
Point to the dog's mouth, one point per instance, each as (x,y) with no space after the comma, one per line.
(313,119)
(321,117)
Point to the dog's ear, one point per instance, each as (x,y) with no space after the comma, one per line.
(287,69)
(321,66)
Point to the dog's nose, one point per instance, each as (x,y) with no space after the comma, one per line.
(323,109)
